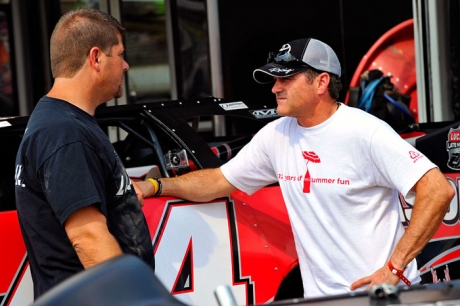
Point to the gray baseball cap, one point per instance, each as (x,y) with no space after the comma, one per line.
(297,56)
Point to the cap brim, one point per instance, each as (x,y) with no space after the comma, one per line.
(267,73)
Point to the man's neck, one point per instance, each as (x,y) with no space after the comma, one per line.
(319,114)
(75,93)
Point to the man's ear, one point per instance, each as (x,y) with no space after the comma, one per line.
(323,82)
(95,57)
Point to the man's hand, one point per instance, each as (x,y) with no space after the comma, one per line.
(143,190)
(382,275)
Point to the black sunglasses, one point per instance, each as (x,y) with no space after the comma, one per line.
(285,58)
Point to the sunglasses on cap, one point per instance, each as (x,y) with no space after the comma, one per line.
(285,58)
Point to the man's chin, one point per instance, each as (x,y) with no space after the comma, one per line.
(280,111)
(119,93)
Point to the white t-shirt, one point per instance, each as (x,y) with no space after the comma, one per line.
(345,215)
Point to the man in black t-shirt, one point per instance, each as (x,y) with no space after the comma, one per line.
(76,205)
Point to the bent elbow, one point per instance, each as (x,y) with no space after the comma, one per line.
(444,197)
(450,194)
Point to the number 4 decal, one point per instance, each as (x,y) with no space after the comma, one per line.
(196,250)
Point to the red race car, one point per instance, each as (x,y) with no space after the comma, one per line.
(244,242)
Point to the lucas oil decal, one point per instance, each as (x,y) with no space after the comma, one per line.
(453,148)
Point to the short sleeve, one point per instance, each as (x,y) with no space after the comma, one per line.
(397,164)
(252,168)
(71,180)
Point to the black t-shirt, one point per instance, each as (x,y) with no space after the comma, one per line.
(66,162)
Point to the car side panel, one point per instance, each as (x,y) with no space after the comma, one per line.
(235,239)
(242,241)
(269,209)
(13,265)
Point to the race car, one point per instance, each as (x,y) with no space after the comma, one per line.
(241,241)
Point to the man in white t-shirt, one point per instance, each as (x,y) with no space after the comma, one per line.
(349,167)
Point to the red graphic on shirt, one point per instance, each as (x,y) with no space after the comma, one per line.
(413,154)
(310,156)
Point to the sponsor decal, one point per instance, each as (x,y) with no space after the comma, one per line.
(453,148)
(264,113)
(415,156)
(434,275)
(233,105)
(4,124)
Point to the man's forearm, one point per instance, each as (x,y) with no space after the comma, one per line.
(420,230)
(199,186)
(433,196)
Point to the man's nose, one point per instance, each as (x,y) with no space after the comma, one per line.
(277,86)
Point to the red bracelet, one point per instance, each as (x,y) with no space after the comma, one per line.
(398,273)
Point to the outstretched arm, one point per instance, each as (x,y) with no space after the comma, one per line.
(198,186)
(432,199)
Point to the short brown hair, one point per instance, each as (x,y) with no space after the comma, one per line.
(335,84)
(76,33)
